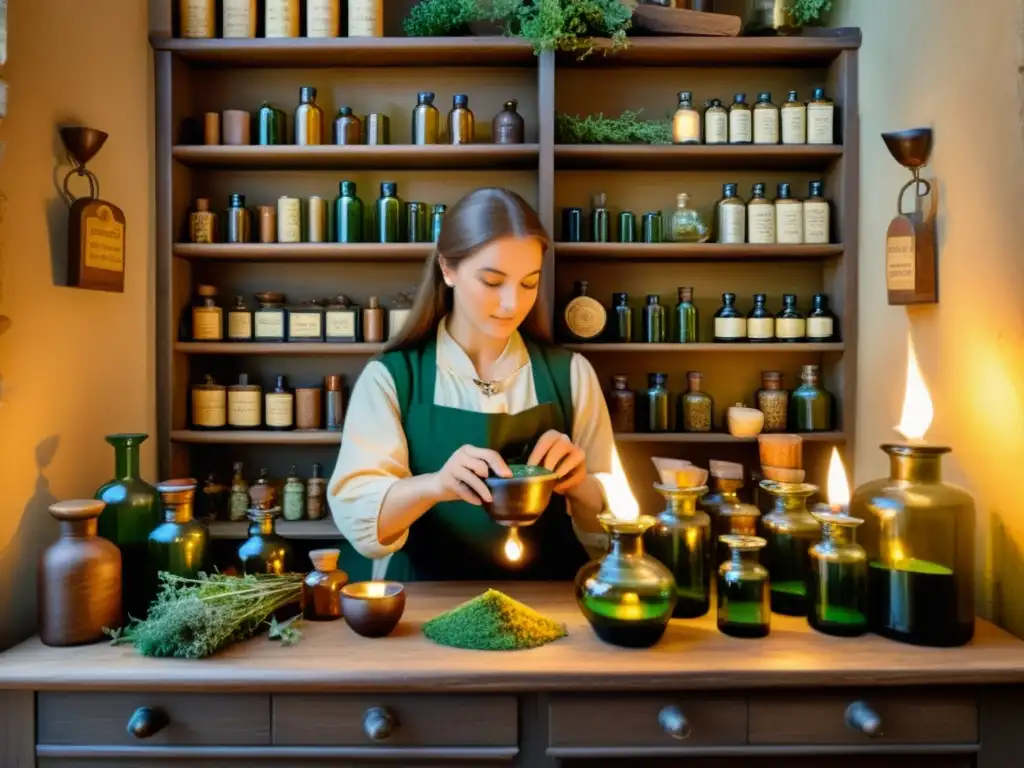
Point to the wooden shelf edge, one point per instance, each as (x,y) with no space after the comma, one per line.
(361,156)
(675,157)
(276,348)
(255,437)
(788,348)
(716,437)
(695,251)
(295,252)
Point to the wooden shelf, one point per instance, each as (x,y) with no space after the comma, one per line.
(791,348)
(716,437)
(289,529)
(696,157)
(255,437)
(693,252)
(275,348)
(337,158)
(314,252)
(352,52)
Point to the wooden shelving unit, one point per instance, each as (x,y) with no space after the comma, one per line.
(195,76)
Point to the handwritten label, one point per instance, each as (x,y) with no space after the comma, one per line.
(104,241)
(900,264)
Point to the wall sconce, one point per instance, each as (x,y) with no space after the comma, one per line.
(911,269)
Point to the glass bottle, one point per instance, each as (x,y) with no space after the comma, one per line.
(343,321)
(203,223)
(245,404)
(837,587)
(730,325)
(306,322)
(585,317)
(686,317)
(686,121)
(239,321)
(651,227)
(726,491)
(213,499)
(622,405)
(743,604)
(262,493)
(820,119)
(461,124)
(436,221)
(791,531)
(132,510)
(810,406)
(309,118)
(697,407)
(279,406)
(687,225)
(268,321)
(388,214)
(657,405)
(348,128)
(316,493)
(731,216)
(821,321)
(716,123)
(239,503)
(740,121)
(622,330)
(654,320)
(417,223)
(600,219)
(817,216)
(760,218)
(760,323)
(180,545)
(197,18)
(207,317)
(734,518)
(790,324)
(272,126)
(348,214)
(237,221)
(681,540)
(321,589)
(627,596)
(209,405)
(766,120)
(794,120)
(789,217)
(426,119)
(335,402)
(627,227)
(264,551)
(508,126)
(294,497)
(773,401)
(919,534)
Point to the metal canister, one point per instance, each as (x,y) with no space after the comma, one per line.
(378,129)
(272,126)
(416,223)
(651,224)
(289,220)
(572,225)
(267,216)
(239,222)
(627,227)
(316,220)
(436,221)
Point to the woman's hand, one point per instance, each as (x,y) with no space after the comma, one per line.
(555,451)
(461,476)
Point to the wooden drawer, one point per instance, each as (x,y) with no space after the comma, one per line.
(579,724)
(417,721)
(191,719)
(905,718)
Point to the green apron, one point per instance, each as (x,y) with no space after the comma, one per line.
(456,540)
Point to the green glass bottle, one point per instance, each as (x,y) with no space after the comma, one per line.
(132,510)
(436,221)
(811,407)
(294,496)
(389,214)
(272,122)
(837,584)
(696,407)
(654,320)
(348,214)
(681,539)
(180,545)
(743,605)
(791,531)
(657,405)
(686,317)
(622,328)
(264,551)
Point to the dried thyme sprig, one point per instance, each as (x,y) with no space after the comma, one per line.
(627,128)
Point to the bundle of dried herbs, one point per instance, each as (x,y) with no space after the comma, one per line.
(195,618)
(627,128)
(493,621)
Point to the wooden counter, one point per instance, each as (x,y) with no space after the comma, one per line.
(578,700)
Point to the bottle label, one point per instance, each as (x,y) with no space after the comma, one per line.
(730,327)
(240,325)
(282,18)
(819,327)
(269,324)
(760,327)
(789,223)
(323,18)
(900,264)
(197,18)
(206,325)
(341,325)
(761,224)
(315,497)
(732,223)
(716,128)
(816,225)
(790,327)
(280,409)
(289,220)
(202,227)
(739,126)
(396,321)
(365,18)
(239,19)
(305,325)
(766,126)
(294,501)
(244,408)
(208,408)
(819,123)
(794,125)
(239,503)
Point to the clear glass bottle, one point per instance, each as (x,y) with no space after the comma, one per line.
(760,323)
(817,216)
(264,551)
(461,123)
(654,320)
(239,321)
(681,539)
(794,120)
(207,317)
(734,518)
(730,325)
(789,217)
(238,505)
(203,227)
(821,321)
(279,406)
(773,401)
(811,407)
(731,216)
(760,217)
(791,531)
(686,121)
(716,123)
(622,405)
(790,323)
(686,317)
(837,587)
(697,408)
(743,604)
(656,407)
(388,214)
(687,224)
(766,120)
(740,131)
(294,496)
(622,328)
(309,118)
(820,119)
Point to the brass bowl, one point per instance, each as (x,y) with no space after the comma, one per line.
(373,608)
(910,148)
(521,499)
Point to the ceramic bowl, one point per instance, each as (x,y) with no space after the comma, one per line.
(373,608)
(519,500)
(744,422)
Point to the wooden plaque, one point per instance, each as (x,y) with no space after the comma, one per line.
(910,265)
(96,245)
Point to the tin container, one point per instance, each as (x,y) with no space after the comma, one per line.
(378,129)
(317,220)
(238,221)
(627,227)
(272,126)
(289,220)
(416,227)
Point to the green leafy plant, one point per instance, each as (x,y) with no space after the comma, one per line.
(439,18)
(806,11)
(627,128)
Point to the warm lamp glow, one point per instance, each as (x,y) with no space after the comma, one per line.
(513,546)
(917,404)
(376,589)
(621,502)
(838,487)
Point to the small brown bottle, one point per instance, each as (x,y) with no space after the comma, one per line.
(348,128)
(508,126)
(773,401)
(373,322)
(622,405)
(461,124)
(203,223)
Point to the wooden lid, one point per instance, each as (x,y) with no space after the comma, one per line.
(77,509)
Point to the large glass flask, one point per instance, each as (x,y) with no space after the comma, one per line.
(919,536)
(681,539)
(264,551)
(180,545)
(627,595)
(791,531)
(744,608)
(837,585)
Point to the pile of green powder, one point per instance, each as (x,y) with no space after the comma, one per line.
(493,621)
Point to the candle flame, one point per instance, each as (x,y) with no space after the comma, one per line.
(917,404)
(376,589)
(621,502)
(838,487)
(513,546)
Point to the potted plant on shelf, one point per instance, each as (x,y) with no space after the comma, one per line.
(773,17)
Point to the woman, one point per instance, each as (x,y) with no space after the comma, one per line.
(472,383)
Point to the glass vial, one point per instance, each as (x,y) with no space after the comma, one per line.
(656,406)
(348,214)
(272,126)
(740,131)
(426,119)
(820,119)
(730,325)
(766,120)
(461,124)
(791,531)
(294,505)
(316,494)
(731,216)
(268,321)
(760,217)
(279,406)
(373,322)
(323,18)
(239,321)
(716,123)
(686,225)
(790,324)
(681,539)
(207,317)
(366,18)
(622,327)
(417,223)
(686,121)
(789,217)
(309,119)
(245,405)
(696,407)
(203,223)
(388,214)
(572,225)
(240,17)
(837,586)
(282,18)
(622,405)
(321,589)
(237,221)
(627,227)
(198,18)
(654,320)
(810,406)
(821,321)
(651,227)
(686,317)
(209,405)
(334,396)
(760,323)
(437,213)
(600,219)
(238,502)
(794,120)
(744,609)
(773,401)
(816,216)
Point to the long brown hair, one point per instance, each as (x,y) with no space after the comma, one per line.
(478,219)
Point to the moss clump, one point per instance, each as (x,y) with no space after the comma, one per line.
(627,128)
(493,621)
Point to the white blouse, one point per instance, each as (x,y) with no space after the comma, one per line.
(374,454)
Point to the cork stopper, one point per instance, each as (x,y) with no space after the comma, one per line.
(374,302)
(686,294)
(325,560)
(206,291)
(77,509)
(333,382)
(693,379)
(203,204)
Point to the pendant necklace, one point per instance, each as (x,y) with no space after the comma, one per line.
(489,388)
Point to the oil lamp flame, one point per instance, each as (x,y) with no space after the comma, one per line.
(838,487)
(917,404)
(621,502)
(513,546)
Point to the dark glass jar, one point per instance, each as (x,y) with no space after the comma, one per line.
(657,403)
(686,317)
(696,407)
(622,328)
(651,227)
(600,219)
(790,324)
(730,325)
(837,585)
(681,539)
(180,545)
(822,325)
(654,320)
(773,401)
(264,551)
(811,407)
(760,323)
(743,604)
(622,405)
(572,225)
(791,531)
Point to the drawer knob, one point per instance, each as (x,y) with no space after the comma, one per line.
(862,718)
(146,722)
(674,722)
(379,723)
